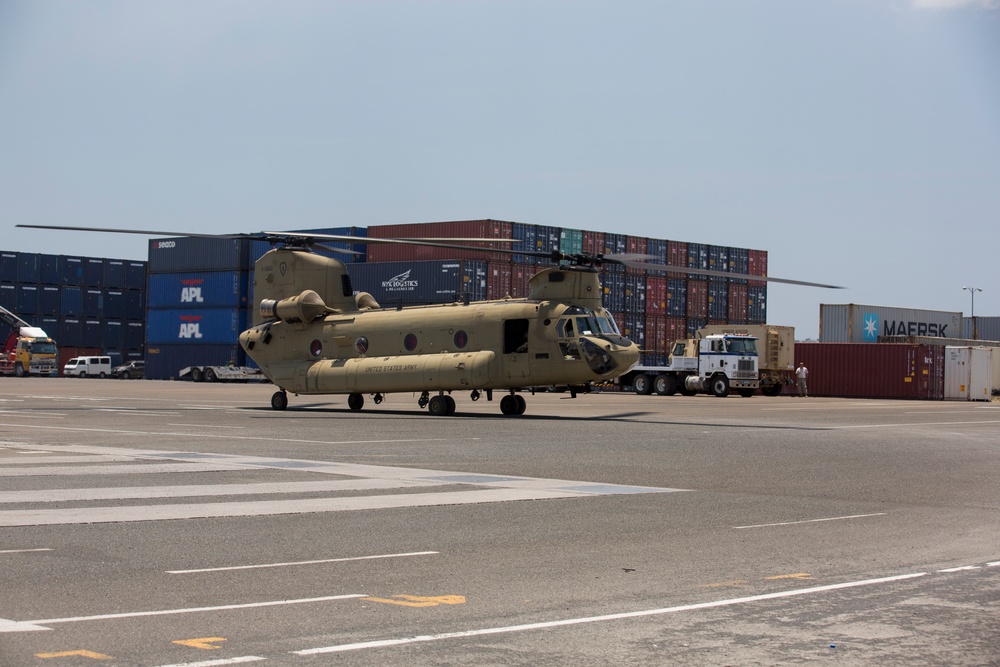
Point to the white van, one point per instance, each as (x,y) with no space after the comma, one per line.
(88,367)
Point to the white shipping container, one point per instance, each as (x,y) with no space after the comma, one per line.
(968,373)
(855,323)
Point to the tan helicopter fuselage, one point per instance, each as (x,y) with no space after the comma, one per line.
(316,336)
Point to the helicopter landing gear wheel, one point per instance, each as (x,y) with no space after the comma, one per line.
(441,406)
(355,402)
(279,400)
(512,404)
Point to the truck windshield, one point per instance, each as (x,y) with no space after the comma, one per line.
(43,348)
(741,345)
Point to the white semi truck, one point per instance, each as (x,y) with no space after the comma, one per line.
(713,364)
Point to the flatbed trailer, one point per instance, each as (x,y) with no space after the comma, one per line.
(221,374)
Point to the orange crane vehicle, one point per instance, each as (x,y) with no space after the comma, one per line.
(28,350)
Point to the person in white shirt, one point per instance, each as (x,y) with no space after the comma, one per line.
(802,373)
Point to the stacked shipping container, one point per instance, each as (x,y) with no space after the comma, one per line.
(88,305)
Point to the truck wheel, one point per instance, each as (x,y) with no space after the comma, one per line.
(642,384)
(210,375)
(279,400)
(720,386)
(196,375)
(665,385)
(771,390)
(19,371)
(746,393)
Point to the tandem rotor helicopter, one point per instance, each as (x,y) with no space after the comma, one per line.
(313,334)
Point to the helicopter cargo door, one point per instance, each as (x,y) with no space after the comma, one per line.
(516,357)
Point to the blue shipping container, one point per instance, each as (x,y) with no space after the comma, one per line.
(27,301)
(93,272)
(70,332)
(70,270)
(421,282)
(135,305)
(28,267)
(135,275)
(114,304)
(49,300)
(93,302)
(8,296)
(165,362)
(72,301)
(196,326)
(48,270)
(8,267)
(187,253)
(135,335)
(114,273)
(208,289)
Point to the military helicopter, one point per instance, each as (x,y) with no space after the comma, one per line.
(313,334)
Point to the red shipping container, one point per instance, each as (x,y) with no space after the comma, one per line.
(738,304)
(498,280)
(462,229)
(637,245)
(873,370)
(593,242)
(697,298)
(677,255)
(656,296)
(656,328)
(520,275)
(757,263)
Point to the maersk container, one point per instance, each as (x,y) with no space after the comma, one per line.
(461,229)
(202,289)
(968,373)
(854,323)
(981,328)
(165,362)
(873,370)
(195,326)
(8,267)
(412,283)
(186,253)
(70,270)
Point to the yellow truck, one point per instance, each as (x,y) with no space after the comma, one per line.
(28,350)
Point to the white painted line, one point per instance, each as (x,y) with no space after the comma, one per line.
(195,610)
(23,551)
(204,490)
(302,562)
(793,523)
(600,619)
(123,469)
(995,563)
(960,568)
(207,426)
(33,415)
(79,515)
(916,424)
(220,662)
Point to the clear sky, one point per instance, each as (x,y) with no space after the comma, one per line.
(858,141)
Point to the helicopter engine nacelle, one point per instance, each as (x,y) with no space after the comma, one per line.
(303,308)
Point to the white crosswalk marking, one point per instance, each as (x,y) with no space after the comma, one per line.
(436,487)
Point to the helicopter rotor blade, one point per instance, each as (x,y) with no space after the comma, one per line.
(726,274)
(144,232)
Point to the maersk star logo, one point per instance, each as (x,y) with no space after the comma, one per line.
(871,327)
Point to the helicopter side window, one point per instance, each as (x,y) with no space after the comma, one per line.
(565,329)
(515,336)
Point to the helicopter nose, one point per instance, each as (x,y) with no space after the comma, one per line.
(604,357)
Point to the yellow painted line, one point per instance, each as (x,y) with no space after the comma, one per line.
(204,643)
(421,601)
(67,654)
(726,584)
(797,575)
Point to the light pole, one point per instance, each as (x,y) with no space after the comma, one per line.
(972,315)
